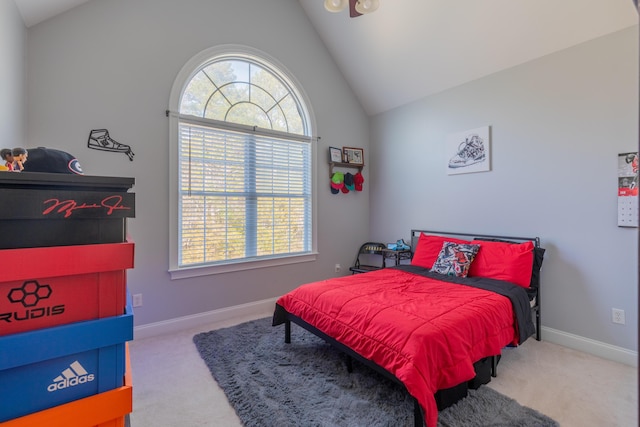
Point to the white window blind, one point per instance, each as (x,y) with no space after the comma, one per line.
(242,195)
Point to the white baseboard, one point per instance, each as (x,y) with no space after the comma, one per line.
(586,345)
(265,307)
(257,308)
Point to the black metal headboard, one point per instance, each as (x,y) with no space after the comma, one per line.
(415,234)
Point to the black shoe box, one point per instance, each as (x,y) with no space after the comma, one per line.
(49,209)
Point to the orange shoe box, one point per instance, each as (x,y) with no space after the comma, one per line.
(106,409)
(51,286)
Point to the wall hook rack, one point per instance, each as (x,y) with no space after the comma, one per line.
(344,165)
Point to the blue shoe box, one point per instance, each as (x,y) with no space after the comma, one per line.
(47,367)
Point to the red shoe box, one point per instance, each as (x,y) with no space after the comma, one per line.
(48,367)
(52,286)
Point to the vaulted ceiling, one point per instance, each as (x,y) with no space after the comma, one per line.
(409,49)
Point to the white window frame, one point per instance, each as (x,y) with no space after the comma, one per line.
(182,79)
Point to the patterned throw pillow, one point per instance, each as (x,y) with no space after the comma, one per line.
(455,259)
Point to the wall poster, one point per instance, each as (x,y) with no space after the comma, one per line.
(469,151)
(628,189)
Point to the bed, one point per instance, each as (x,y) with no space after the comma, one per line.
(429,325)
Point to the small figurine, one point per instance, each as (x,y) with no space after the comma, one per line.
(19,158)
(6,155)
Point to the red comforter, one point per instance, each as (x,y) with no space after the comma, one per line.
(426,332)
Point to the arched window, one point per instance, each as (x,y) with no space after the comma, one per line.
(242,150)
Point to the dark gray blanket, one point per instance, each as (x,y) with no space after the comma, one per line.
(516,294)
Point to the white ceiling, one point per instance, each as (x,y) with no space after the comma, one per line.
(409,49)
(36,11)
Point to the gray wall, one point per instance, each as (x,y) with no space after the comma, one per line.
(13,35)
(557,124)
(111,64)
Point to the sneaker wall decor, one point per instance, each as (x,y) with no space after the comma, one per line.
(99,139)
(469,151)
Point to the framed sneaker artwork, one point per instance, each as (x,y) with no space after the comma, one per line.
(469,151)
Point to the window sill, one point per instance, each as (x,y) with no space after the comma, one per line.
(186,272)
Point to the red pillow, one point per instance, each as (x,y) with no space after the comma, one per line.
(428,249)
(511,262)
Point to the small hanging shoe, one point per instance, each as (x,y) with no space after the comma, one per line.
(99,139)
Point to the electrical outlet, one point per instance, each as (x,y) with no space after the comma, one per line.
(338,268)
(617,316)
(137,300)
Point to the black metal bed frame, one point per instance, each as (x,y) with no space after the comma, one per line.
(351,354)
(418,414)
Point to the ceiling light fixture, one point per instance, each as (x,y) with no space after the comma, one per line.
(356,7)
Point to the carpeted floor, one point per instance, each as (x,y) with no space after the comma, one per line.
(173,386)
(306,383)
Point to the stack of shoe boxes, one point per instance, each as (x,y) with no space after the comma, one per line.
(65,314)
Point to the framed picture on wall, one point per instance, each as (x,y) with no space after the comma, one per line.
(335,154)
(469,151)
(353,155)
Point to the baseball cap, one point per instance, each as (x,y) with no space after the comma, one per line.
(337,182)
(337,178)
(348,181)
(50,160)
(358,179)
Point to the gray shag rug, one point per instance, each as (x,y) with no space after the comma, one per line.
(306,383)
